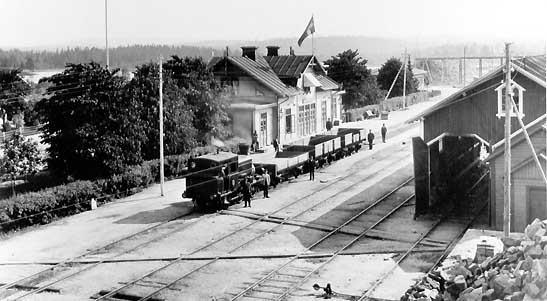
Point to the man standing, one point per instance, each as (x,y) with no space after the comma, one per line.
(275,145)
(384,132)
(329,124)
(370,138)
(246,187)
(254,141)
(266,177)
(311,166)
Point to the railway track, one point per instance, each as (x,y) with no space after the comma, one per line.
(149,275)
(37,275)
(280,282)
(63,263)
(384,278)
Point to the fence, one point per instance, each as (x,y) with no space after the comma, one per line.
(391,104)
(27,131)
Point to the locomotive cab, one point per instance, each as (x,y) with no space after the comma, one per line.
(213,179)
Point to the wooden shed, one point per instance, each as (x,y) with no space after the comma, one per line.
(528,189)
(458,127)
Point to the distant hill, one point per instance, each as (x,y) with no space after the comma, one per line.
(120,57)
(375,50)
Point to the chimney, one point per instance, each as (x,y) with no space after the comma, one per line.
(291,51)
(249,52)
(272,50)
(227,52)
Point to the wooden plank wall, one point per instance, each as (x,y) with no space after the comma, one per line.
(477,114)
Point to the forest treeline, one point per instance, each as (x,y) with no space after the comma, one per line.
(120,57)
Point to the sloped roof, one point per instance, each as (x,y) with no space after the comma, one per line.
(261,71)
(518,136)
(289,65)
(327,83)
(532,67)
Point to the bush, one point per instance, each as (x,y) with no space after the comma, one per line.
(43,206)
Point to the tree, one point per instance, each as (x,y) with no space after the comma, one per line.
(203,94)
(179,132)
(21,158)
(387,73)
(351,70)
(12,93)
(92,131)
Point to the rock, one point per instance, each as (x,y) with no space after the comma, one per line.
(510,242)
(534,252)
(531,229)
(531,289)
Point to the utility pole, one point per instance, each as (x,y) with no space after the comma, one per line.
(507,172)
(464,50)
(106,31)
(404,81)
(161,126)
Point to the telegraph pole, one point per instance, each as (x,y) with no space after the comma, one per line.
(507,165)
(404,81)
(106,31)
(161,126)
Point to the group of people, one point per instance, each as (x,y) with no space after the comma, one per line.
(246,188)
(370,136)
(255,145)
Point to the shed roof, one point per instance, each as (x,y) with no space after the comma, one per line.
(220,157)
(289,65)
(259,70)
(327,83)
(532,67)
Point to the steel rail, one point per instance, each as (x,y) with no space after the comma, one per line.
(75,258)
(242,293)
(366,295)
(99,262)
(112,293)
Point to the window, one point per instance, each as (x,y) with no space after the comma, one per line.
(301,120)
(333,111)
(307,90)
(289,119)
(258,92)
(516,94)
(323,113)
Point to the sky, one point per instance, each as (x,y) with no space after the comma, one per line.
(62,23)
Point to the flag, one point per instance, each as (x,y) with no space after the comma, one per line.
(310,29)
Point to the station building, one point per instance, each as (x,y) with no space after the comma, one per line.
(283,97)
(456,129)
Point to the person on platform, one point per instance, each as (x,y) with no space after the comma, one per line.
(266,183)
(246,190)
(275,145)
(254,141)
(370,138)
(384,132)
(329,124)
(311,167)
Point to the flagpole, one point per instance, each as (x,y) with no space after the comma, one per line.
(312,34)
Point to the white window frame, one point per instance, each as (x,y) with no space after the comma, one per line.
(501,95)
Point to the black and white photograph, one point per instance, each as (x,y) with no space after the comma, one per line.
(273,150)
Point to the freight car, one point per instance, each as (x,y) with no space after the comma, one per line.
(214,180)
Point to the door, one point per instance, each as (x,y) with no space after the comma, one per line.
(263,134)
(537,203)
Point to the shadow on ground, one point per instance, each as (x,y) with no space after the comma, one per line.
(159,215)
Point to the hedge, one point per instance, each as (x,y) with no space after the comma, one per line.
(45,205)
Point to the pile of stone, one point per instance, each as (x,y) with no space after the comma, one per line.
(519,273)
